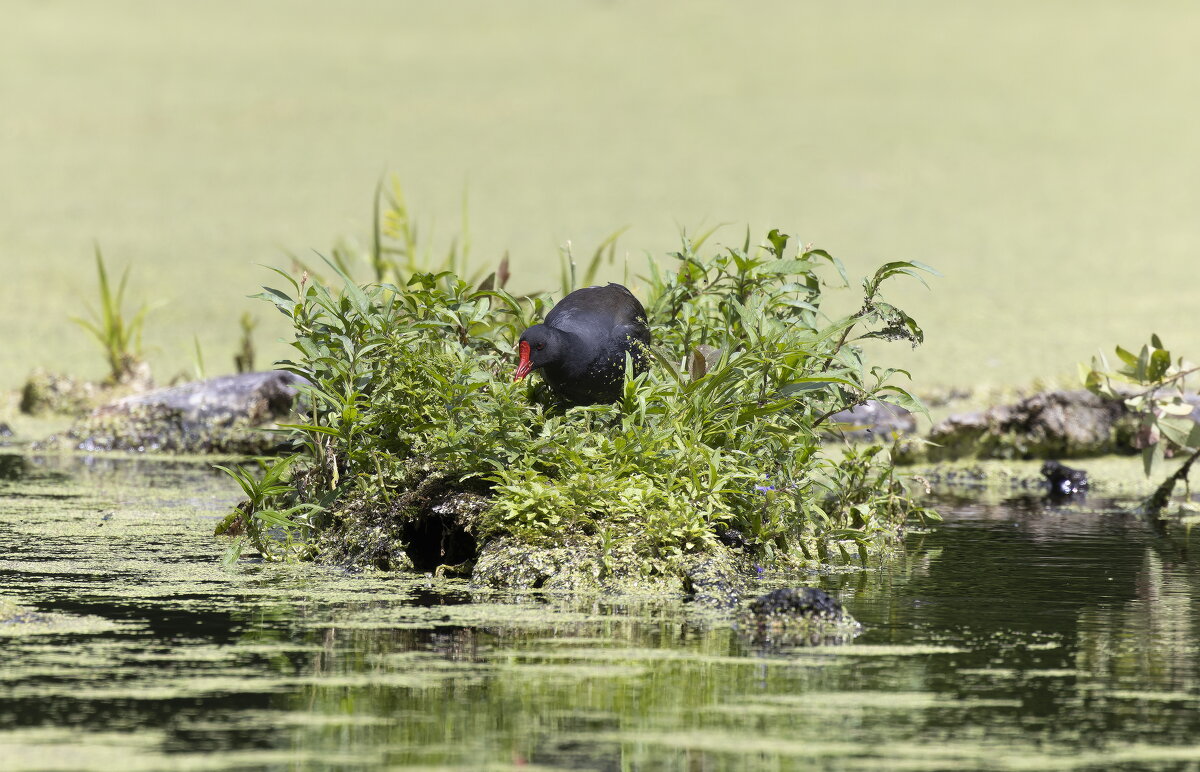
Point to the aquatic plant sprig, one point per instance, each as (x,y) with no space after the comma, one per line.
(277,533)
(118,333)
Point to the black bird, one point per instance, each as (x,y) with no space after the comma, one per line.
(581,346)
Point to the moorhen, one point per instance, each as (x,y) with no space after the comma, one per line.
(581,346)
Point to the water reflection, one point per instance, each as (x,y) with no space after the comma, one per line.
(1018,634)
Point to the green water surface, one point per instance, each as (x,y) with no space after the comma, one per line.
(1016,635)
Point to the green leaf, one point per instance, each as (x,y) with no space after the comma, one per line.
(779,242)
(1176,407)
(1128,357)
(904,398)
(1152,458)
(1175,428)
(233,552)
(804,385)
(1160,363)
(837,264)
(785,267)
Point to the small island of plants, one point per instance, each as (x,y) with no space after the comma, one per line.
(418,450)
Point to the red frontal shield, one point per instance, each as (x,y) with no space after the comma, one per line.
(524,367)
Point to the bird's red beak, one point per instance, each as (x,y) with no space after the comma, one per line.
(524,367)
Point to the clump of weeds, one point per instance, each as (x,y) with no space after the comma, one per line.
(414,421)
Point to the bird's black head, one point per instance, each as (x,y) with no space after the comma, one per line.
(540,345)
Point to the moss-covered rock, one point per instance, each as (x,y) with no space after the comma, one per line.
(798,616)
(1053,424)
(567,564)
(47,393)
(718,579)
(218,415)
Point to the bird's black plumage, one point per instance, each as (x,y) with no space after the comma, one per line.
(580,348)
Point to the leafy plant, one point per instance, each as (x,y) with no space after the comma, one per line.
(119,334)
(411,403)
(278,534)
(1154,386)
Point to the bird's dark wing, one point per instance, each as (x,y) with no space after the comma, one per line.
(591,309)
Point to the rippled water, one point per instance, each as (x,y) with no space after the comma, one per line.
(1016,635)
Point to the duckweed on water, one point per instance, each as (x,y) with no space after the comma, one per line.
(303,666)
(17,621)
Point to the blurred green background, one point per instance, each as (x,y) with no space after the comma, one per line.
(1045,156)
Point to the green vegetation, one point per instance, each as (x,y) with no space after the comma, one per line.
(119,336)
(252,521)
(118,333)
(415,422)
(243,360)
(1154,385)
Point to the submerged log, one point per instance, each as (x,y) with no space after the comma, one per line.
(218,415)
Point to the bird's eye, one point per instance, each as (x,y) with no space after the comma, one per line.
(539,347)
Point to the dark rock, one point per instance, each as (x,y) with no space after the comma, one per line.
(1054,424)
(872,420)
(5,430)
(733,538)
(799,616)
(1062,480)
(218,415)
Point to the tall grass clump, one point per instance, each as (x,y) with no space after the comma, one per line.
(401,244)
(419,446)
(117,331)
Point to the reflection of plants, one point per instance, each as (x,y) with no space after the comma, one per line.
(119,335)
(410,382)
(1153,386)
(278,534)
